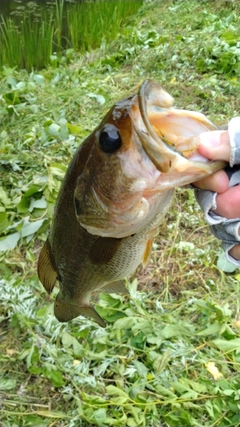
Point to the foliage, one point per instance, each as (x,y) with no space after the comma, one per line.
(80,25)
(170,353)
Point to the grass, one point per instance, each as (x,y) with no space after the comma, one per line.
(38,36)
(92,23)
(170,353)
(28,44)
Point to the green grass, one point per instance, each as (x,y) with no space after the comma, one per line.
(27,45)
(91,23)
(153,365)
(39,36)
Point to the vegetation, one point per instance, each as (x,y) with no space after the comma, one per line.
(36,37)
(169,356)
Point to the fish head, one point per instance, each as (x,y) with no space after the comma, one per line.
(113,192)
(140,152)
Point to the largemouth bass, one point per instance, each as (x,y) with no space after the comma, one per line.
(117,189)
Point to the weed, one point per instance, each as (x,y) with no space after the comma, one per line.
(31,41)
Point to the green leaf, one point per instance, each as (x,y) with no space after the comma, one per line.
(141,368)
(75,129)
(58,170)
(200,388)
(39,79)
(33,189)
(7,384)
(54,129)
(227,346)
(112,390)
(55,376)
(165,392)
(100,416)
(10,242)
(224,265)
(70,341)
(38,204)
(30,228)
(33,356)
(99,98)
(212,329)
(23,205)
(4,199)
(93,399)
(4,223)
(125,323)
(229,392)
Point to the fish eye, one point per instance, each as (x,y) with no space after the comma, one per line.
(110,139)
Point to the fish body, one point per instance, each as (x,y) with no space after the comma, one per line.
(117,189)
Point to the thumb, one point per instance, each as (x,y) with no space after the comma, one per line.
(215,145)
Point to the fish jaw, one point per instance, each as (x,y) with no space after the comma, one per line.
(171,136)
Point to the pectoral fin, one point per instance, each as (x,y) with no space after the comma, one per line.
(116,288)
(147,252)
(46,271)
(103,250)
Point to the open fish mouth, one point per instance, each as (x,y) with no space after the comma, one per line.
(170,136)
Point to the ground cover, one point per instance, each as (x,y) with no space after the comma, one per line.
(170,353)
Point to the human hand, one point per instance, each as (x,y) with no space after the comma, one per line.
(216,145)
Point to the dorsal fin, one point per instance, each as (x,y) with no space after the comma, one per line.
(104,249)
(46,271)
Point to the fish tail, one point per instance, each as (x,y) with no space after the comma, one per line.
(65,311)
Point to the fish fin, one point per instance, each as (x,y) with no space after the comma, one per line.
(115,288)
(147,252)
(91,312)
(103,250)
(46,272)
(65,311)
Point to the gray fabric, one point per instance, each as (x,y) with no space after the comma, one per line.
(227,231)
(227,247)
(224,229)
(207,201)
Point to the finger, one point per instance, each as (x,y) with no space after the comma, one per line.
(235,252)
(215,145)
(218,182)
(228,203)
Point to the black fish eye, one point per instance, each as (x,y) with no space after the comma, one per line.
(109,139)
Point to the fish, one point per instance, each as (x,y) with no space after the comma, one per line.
(118,187)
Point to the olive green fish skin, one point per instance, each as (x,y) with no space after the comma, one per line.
(113,198)
(78,274)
